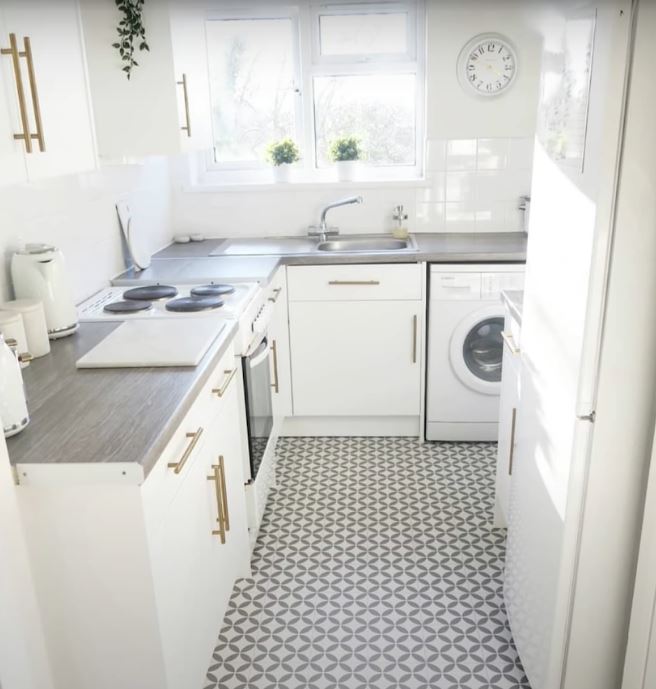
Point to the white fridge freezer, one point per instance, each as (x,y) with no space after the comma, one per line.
(588,334)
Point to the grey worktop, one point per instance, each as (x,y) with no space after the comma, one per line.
(258,258)
(201,269)
(514,300)
(105,415)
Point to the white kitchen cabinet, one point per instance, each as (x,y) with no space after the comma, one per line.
(508,406)
(356,358)
(149,114)
(136,570)
(54,109)
(279,342)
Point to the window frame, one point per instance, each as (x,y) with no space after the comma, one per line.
(261,12)
(310,64)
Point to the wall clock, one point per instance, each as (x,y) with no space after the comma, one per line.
(487,65)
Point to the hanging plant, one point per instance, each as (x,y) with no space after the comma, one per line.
(131,33)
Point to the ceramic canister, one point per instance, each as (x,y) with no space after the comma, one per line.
(13,407)
(34,322)
(11,326)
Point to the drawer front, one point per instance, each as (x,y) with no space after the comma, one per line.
(187,443)
(355,282)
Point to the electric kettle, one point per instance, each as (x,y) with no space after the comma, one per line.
(38,272)
(13,408)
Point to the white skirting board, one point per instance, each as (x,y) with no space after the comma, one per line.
(374,426)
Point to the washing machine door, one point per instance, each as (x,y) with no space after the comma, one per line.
(477,350)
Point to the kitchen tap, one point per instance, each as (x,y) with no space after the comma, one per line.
(323,230)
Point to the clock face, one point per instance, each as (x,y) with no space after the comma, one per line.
(487,65)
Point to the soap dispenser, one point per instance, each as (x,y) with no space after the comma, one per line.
(13,407)
(400,231)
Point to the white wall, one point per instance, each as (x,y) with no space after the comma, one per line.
(476,188)
(77,214)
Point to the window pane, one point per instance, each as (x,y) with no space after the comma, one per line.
(379,110)
(251,67)
(363,34)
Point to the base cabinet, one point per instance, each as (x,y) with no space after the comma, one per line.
(133,579)
(356,334)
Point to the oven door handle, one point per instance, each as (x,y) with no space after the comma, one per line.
(259,355)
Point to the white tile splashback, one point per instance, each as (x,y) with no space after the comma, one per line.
(77,214)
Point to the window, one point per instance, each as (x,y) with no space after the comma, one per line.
(253,71)
(327,71)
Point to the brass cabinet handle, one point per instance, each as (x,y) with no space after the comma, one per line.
(35,94)
(276,293)
(354,282)
(22,106)
(223,518)
(276,381)
(510,342)
(511,453)
(179,465)
(185,94)
(230,374)
(414,338)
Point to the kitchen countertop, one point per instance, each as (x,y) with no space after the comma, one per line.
(256,252)
(105,415)
(514,300)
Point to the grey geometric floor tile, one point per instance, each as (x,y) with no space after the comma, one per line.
(375,566)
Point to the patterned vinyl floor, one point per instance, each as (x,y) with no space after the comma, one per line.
(376,567)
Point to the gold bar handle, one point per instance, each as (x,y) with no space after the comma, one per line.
(22,106)
(511,454)
(224,494)
(276,294)
(415,321)
(27,54)
(218,478)
(354,282)
(185,94)
(276,381)
(179,465)
(510,342)
(230,374)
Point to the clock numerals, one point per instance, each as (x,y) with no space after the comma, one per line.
(488,65)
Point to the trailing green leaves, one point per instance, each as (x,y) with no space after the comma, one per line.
(131,33)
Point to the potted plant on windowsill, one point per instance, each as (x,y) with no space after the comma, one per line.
(346,153)
(282,155)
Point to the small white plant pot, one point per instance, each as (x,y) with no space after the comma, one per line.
(282,174)
(347,170)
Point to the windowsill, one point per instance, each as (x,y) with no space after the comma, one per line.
(211,187)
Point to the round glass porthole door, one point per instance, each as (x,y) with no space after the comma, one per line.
(482,350)
(476,350)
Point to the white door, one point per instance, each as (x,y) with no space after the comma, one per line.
(56,94)
(356,358)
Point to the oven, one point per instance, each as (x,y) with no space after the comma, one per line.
(259,406)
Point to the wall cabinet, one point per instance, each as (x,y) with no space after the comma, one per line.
(143,573)
(508,406)
(44,95)
(356,337)
(164,108)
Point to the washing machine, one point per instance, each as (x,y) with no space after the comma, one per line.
(465,349)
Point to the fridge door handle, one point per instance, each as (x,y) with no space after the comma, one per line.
(591,417)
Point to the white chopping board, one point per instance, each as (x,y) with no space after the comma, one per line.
(160,342)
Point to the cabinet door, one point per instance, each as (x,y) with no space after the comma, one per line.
(508,405)
(12,152)
(191,75)
(356,358)
(59,84)
(194,571)
(279,339)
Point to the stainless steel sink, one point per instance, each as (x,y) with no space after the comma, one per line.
(373,244)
